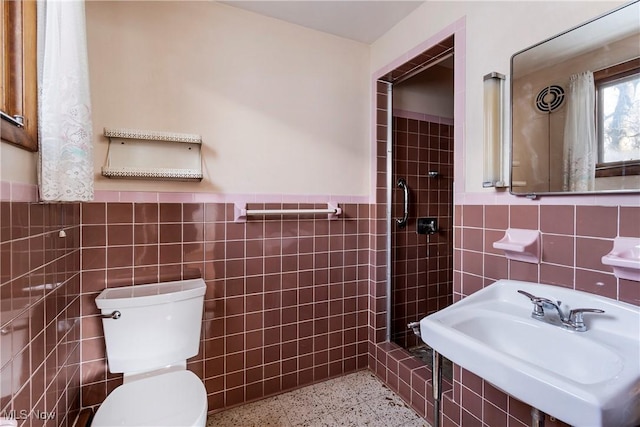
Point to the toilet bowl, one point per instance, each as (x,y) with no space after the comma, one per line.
(150,331)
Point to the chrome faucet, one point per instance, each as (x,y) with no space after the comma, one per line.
(415,326)
(574,321)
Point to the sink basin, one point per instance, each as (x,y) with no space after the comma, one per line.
(585,379)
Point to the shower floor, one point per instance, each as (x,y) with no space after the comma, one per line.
(425,353)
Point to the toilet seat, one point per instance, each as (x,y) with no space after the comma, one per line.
(174,399)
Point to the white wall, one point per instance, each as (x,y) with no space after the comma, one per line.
(494,32)
(281,109)
(17,165)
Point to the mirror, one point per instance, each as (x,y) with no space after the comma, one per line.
(575,109)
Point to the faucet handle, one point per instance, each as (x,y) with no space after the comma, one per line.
(537,303)
(576,318)
(527,294)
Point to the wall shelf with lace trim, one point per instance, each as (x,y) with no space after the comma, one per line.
(139,154)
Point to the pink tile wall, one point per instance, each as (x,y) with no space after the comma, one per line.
(422,264)
(571,252)
(574,239)
(39,313)
(378,240)
(290,300)
(286,302)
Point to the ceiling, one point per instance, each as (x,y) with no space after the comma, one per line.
(363,21)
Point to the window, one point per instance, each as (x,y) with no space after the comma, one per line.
(18,85)
(618,113)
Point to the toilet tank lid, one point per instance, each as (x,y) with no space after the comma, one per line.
(154,293)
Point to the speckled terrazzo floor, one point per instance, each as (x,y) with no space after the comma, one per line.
(357,399)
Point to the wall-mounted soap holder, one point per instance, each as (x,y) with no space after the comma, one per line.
(624,258)
(520,245)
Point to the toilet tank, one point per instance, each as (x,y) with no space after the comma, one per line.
(158,325)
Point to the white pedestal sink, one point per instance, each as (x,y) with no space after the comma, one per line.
(586,379)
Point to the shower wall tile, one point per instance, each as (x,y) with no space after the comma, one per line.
(287,299)
(40,312)
(422,265)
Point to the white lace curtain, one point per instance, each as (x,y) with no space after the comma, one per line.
(65,167)
(580,145)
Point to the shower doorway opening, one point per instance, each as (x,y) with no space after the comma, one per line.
(421,152)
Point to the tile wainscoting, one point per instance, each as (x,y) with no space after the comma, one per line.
(40,312)
(286,301)
(291,300)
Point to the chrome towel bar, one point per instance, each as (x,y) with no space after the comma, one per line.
(241,212)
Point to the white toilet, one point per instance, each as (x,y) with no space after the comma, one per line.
(150,332)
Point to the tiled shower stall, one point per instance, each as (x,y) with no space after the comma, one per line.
(422,264)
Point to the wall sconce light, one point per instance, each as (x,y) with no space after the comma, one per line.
(493,130)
